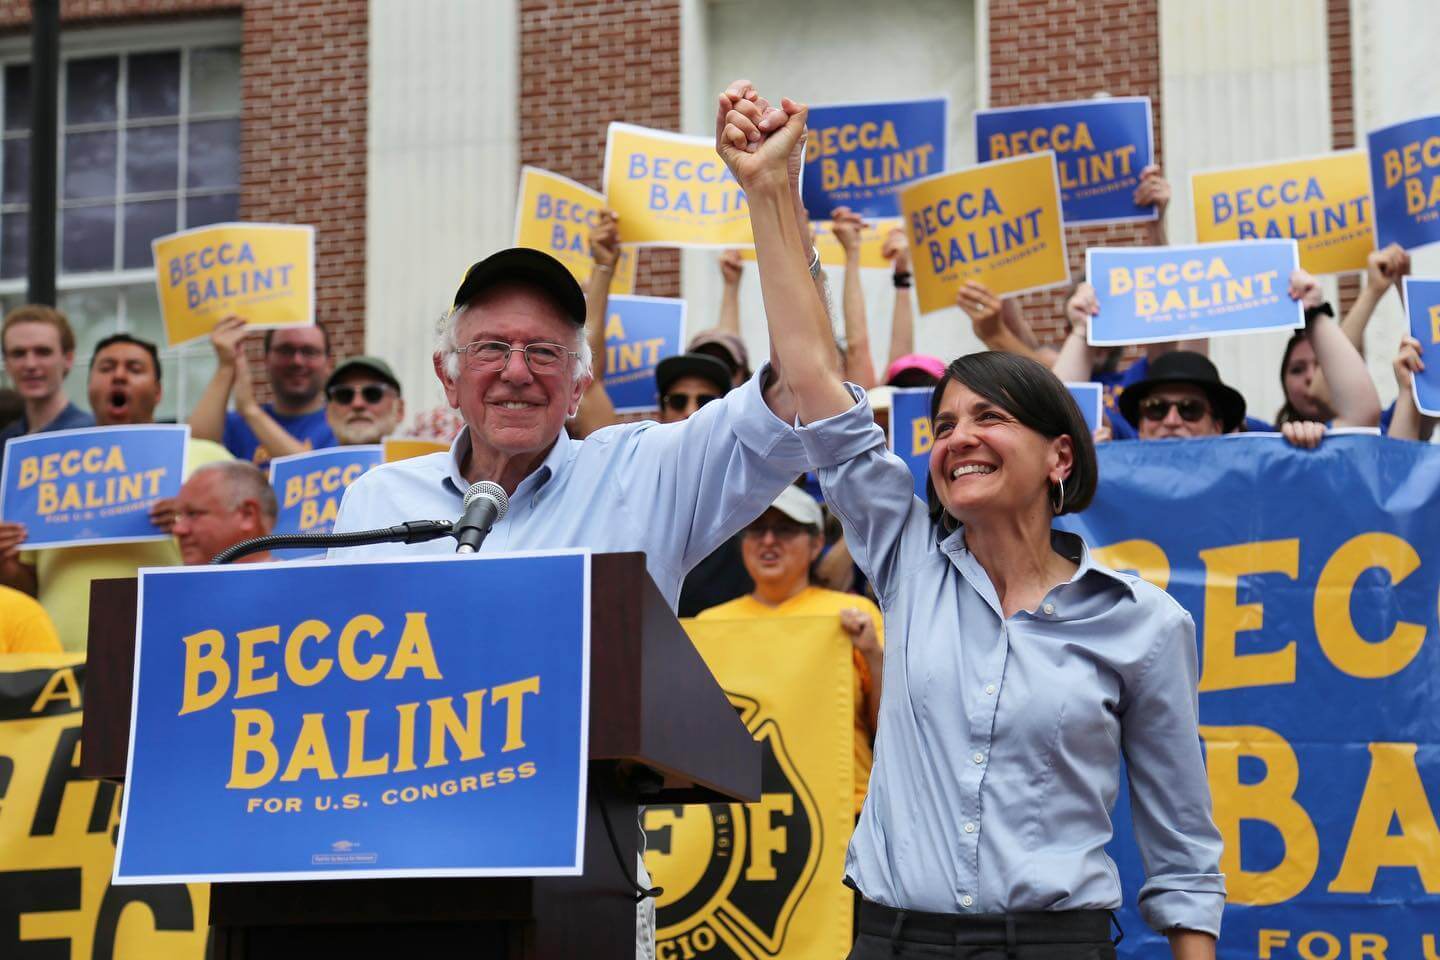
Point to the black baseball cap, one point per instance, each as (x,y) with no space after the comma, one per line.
(523,265)
(700,365)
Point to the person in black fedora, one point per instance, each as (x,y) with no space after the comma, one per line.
(1181,397)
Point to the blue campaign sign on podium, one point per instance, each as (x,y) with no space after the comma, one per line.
(859,155)
(366,719)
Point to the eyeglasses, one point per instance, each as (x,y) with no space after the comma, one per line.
(371,393)
(487,356)
(288,352)
(782,531)
(1158,408)
(678,402)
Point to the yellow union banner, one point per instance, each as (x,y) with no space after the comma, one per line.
(997,223)
(57,836)
(264,272)
(763,880)
(673,191)
(1322,202)
(555,214)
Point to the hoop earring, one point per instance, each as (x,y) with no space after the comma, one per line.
(1058,503)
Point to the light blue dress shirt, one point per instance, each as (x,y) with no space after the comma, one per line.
(998,757)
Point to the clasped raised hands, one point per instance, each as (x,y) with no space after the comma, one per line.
(756,140)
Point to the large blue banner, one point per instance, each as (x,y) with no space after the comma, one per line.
(639,333)
(1101,146)
(1422,303)
(859,155)
(370,719)
(74,488)
(1312,579)
(1159,294)
(309,486)
(910,434)
(1405,178)
(1090,398)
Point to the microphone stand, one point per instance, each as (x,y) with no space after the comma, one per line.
(412,531)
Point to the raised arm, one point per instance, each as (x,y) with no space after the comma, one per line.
(902,320)
(1352,392)
(1383,270)
(271,435)
(731,268)
(859,363)
(596,410)
(1154,191)
(987,315)
(1408,423)
(1077,358)
(207,420)
(756,142)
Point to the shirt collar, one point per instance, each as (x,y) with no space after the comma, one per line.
(1069,545)
(561,453)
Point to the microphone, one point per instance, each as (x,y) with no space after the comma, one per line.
(485,505)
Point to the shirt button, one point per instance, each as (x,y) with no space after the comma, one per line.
(967,901)
(990,689)
(969,828)
(979,758)
(1049,609)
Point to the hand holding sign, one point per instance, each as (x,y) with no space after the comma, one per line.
(1384,268)
(1154,190)
(605,240)
(1082,305)
(983,308)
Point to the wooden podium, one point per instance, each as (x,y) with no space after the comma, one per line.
(661,731)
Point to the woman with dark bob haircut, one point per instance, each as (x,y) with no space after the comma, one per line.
(1018,671)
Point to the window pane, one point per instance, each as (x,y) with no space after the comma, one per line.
(197,366)
(170,395)
(215,80)
(94,314)
(152,159)
(14,245)
(221,208)
(17,97)
(143,223)
(90,165)
(154,85)
(87,239)
(142,318)
(213,156)
(90,90)
(17,171)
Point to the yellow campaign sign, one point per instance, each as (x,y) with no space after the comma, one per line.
(264,272)
(57,835)
(872,242)
(1321,202)
(403,448)
(764,880)
(673,191)
(997,223)
(555,214)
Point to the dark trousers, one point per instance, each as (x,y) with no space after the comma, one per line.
(887,934)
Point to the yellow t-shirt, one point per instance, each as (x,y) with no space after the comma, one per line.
(819,602)
(25,627)
(63,574)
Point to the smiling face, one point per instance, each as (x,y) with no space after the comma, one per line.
(513,412)
(985,460)
(207,520)
(360,421)
(34,360)
(1300,369)
(298,364)
(124,388)
(778,552)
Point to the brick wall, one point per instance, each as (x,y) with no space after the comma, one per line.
(303,75)
(584,63)
(1342,103)
(1046,50)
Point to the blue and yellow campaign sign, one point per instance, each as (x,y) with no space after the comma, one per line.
(1090,398)
(1405,175)
(361,721)
(1321,202)
(998,223)
(264,272)
(309,487)
(1317,632)
(832,254)
(555,214)
(639,333)
(1100,148)
(1422,303)
(75,488)
(859,155)
(911,436)
(671,190)
(1159,294)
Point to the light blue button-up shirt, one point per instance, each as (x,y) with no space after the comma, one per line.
(997,761)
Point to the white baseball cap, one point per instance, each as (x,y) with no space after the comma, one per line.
(800,507)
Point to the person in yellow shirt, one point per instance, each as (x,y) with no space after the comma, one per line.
(25,627)
(779,549)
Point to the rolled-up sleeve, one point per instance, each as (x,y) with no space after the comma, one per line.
(1169,790)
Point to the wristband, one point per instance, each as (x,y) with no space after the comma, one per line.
(901,279)
(608,268)
(814,263)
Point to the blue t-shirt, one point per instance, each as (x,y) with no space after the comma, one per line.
(310,429)
(71,418)
(1115,383)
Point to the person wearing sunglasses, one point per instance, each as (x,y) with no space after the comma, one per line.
(363,402)
(687,382)
(1181,397)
